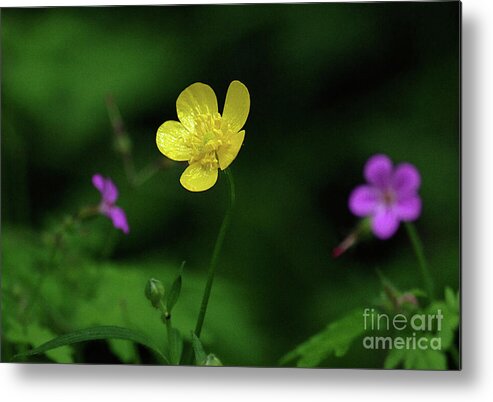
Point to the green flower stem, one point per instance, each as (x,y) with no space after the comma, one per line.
(216,253)
(123,143)
(169,328)
(123,146)
(167,321)
(420,255)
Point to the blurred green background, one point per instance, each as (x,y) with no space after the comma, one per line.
(330,85)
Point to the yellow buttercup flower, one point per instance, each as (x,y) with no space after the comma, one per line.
(204,138)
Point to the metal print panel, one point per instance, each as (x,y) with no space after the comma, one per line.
(239,185)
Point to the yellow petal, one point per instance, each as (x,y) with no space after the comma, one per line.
(171,140)
(227,153)
(196,99)
(237,106)
(198,178)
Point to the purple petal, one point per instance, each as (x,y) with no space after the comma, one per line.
(363,200)
(406,179)
(106,187)
(98,182)
(110,193)
(408,209)
(385,223)
(378,171)
(119,219)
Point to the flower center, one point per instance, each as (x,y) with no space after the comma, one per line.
(105,207)
(388,197)
(207,138)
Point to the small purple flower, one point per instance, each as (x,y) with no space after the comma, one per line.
(390,196)
(107,207)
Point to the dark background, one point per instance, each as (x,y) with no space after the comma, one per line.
(330,85)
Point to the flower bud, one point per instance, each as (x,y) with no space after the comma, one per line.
(212,360)
(361,231)
(154,292)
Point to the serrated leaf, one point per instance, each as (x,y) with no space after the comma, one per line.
(425,360)
(449,323)
(335,339)
(95,333)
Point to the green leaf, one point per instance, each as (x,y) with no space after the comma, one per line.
(416,359)
(175,290)
(201,358)
(425,360)
(333,340)
(394,358)
(429,359)
(126,351)
(449,325)
(35,333)
(108,293)
(118,301)
(200,355)
(95,333)
(452,300)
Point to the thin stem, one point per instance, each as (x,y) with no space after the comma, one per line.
(215,254)
(123,146)
(122,139)
(169,328)
(420,255)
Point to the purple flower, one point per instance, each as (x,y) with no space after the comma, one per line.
(107,207)
(390,196)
